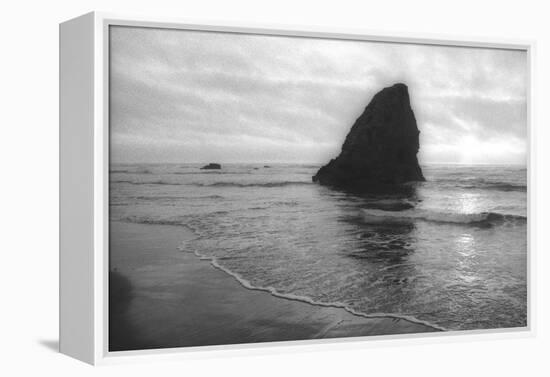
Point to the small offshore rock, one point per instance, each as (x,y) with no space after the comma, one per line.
(211,166)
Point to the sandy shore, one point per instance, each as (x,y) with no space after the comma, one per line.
(162,297)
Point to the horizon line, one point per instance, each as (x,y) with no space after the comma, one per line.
(303,163)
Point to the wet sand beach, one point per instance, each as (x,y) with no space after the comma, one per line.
(163,297)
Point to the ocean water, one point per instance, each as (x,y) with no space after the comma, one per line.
(451,253)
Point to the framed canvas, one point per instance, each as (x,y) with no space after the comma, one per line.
(227,188)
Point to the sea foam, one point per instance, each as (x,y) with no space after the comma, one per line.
(289,296)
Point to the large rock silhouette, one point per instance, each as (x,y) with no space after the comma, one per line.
(380,149)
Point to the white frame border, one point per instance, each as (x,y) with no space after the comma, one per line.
(102,21)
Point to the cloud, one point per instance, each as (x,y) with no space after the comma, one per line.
(188,96)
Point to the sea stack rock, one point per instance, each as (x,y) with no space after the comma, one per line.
(381,147)
(211,166)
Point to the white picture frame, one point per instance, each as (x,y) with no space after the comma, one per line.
(84,157)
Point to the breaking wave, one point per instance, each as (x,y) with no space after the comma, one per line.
(482,183)
(146,183)
(263,184)
(479,219)
(208,172)
(176,220)
(174,197)
(499,186)
(126,171)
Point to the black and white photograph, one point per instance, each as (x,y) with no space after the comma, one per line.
(268,188)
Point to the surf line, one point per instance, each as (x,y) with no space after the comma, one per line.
(338,305)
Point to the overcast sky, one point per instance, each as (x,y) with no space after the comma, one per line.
(187,96)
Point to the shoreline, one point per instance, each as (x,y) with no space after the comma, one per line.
(306,300)
(163,296)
